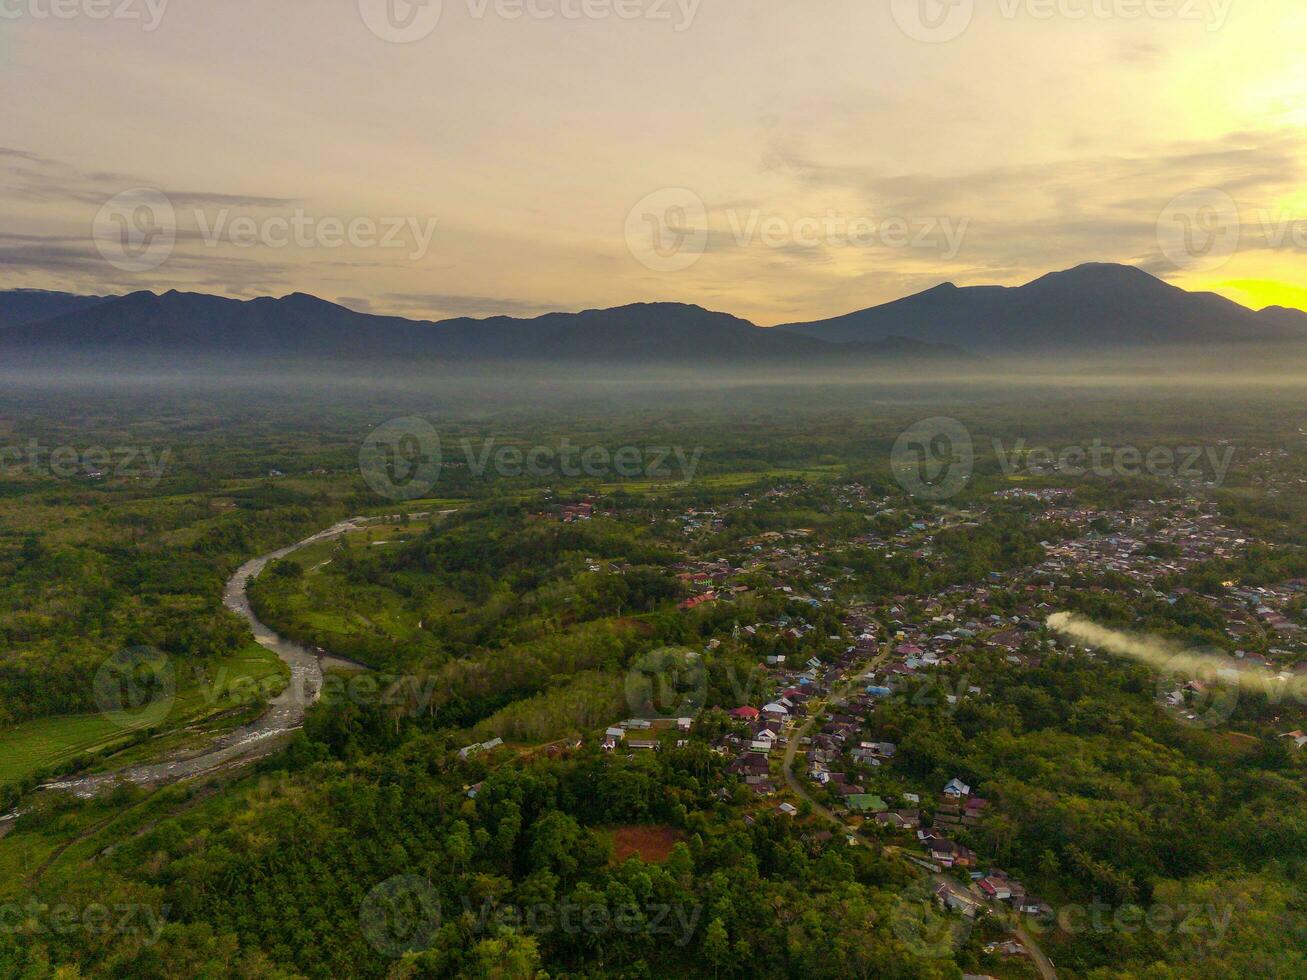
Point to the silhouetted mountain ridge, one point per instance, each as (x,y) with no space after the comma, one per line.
(1096,308)
(176,325)
(1093,307)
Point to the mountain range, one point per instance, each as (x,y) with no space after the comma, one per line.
(1091,308)
(1096,308)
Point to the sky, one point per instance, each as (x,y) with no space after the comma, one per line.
(781,160)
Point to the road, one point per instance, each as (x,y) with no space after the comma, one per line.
(1040,959)
(791,750)
(268,732)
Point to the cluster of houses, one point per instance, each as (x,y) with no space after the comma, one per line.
(641,734)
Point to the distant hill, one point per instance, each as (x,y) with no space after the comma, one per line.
(1091,308)
(180,326)
(19,307)
(1101,310)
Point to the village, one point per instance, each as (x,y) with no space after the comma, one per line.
(805,741)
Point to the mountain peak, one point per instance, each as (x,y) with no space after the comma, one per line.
(1088,308)
(1093,274)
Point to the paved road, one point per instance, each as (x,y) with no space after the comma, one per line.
(265,735)
(791,750)
(1041,961)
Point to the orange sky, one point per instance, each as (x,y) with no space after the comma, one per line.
(779,160)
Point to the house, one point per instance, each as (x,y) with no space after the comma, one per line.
(949,854)
(744,713)
(956,789)
(788,809)
(899,819)
(953,897)
(698,600)
(1033,906)
(997,889)
(1298,738)
(642,744)
(468,751)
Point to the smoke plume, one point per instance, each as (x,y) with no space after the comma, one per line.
(1172,658)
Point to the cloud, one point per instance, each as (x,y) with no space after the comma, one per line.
(455,304)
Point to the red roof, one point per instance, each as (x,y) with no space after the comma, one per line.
(745,712)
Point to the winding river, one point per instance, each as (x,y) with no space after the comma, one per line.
(268,732)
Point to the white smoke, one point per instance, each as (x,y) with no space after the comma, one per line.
(1172,658)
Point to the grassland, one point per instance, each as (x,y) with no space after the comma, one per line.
(49,743)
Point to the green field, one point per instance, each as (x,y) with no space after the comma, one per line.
(48,742)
